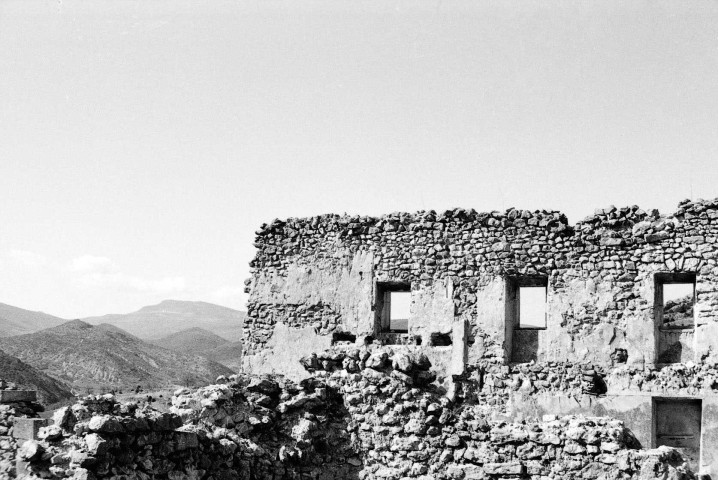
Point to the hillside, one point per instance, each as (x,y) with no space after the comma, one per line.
(48,389)
(195,341)
(172,316)
(229,355)
(18,321)
(87,356)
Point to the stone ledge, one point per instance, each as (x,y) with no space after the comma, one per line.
(8,396)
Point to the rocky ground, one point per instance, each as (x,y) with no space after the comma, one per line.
(362,415)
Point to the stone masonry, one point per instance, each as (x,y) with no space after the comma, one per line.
(373,417)
(317,283)
(18,422)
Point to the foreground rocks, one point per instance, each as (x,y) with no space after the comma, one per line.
(368,415)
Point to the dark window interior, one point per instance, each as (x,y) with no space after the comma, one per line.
(338,337)
(677,423)
(440,339)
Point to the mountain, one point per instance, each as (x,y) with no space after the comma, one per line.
(229,355)
(199,341)
(48,389)
(87,356)
(18,321)
(172,316)
(196,341)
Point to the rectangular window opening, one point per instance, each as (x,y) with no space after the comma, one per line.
(393,307)
(678,304)
(525,316)
(675,299)
(532,307)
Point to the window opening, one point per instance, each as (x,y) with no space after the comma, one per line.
(343,337)
(393,307)
(532,307)
(678,303)
(526,299)
(440,339)
(675,316)
(398,311)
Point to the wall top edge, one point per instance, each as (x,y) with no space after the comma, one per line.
(624,217)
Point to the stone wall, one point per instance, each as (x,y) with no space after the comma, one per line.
(320,274)
(491,385)
(364,414)
(18,422)
(607,349)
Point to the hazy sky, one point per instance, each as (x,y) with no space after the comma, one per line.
(142,143)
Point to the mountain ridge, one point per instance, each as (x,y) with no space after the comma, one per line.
(150,322)
(18,321)
(153,322)
(85,356)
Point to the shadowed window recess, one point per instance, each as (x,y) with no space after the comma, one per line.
(525,316)
(677,423)
(393,307)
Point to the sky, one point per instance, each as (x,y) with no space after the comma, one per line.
(143,143)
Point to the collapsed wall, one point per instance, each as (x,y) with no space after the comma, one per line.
(365,414)
(18,422)
(322,282)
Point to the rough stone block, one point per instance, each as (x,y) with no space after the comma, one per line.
(467,472)
(513,468)
(8,396)
(28,428)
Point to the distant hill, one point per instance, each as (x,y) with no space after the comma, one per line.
(199,341)
(48,389)
(173,316)
(18,321)
(196,341)
(229,355)
(85,356)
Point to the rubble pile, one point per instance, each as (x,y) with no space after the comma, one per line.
(363,414)
(246,428)
(410,429)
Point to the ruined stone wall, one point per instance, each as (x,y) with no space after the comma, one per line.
(316,276)
(16,408)
(606,350)
(364,414)
(491,385)
(520,391)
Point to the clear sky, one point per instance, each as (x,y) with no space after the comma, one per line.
(142,143)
